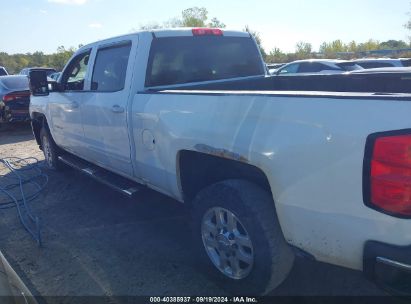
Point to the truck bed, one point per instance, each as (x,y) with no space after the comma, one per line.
(364,82)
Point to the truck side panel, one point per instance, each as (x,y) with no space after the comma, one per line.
(311,150)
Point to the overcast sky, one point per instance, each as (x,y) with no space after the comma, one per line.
(43,25)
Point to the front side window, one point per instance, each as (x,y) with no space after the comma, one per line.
(74,75)
(110,68)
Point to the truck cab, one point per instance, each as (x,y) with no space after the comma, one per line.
(89,115)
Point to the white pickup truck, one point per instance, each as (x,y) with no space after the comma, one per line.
(267,174)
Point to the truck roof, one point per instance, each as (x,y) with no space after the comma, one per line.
(169,32)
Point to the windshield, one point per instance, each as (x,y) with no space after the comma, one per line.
(177,60)
(3,71)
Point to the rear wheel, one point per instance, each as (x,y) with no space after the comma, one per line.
(238,237)
(227,243)
(50,149)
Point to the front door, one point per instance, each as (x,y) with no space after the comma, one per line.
(65,106)
(104,108)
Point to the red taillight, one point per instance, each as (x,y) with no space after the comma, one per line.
(14,96)
(390,175)
(207,31)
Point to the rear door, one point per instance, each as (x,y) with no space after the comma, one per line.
(104,109)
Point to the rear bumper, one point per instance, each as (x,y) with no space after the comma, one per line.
(14,114)
(388,266)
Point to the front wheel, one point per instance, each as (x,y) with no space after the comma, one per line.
(238,237)
(50,149)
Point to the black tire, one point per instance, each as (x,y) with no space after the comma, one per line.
(254,207)
(50,150)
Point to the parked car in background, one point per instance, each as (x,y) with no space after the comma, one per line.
(14,98)
(3,71)
(315,66)
(55,76)
(272,67)
(26,71)
(388,70)
(373,63)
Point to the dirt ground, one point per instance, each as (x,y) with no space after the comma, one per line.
(99,243)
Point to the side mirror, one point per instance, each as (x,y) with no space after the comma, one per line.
(54,86)
(38,83)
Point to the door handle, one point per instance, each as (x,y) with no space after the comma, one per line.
(117,109)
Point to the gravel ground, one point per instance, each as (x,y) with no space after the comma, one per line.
(97,242)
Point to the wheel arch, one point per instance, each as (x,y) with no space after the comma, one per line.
(38,120)
(197,170)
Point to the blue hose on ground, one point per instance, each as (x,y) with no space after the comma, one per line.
(22,172)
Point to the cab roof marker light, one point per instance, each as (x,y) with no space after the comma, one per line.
(207,32)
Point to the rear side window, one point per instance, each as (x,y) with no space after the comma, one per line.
(110,68)
(177,60)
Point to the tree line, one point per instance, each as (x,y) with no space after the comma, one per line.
(15,62)
(338,49)
(199,17)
